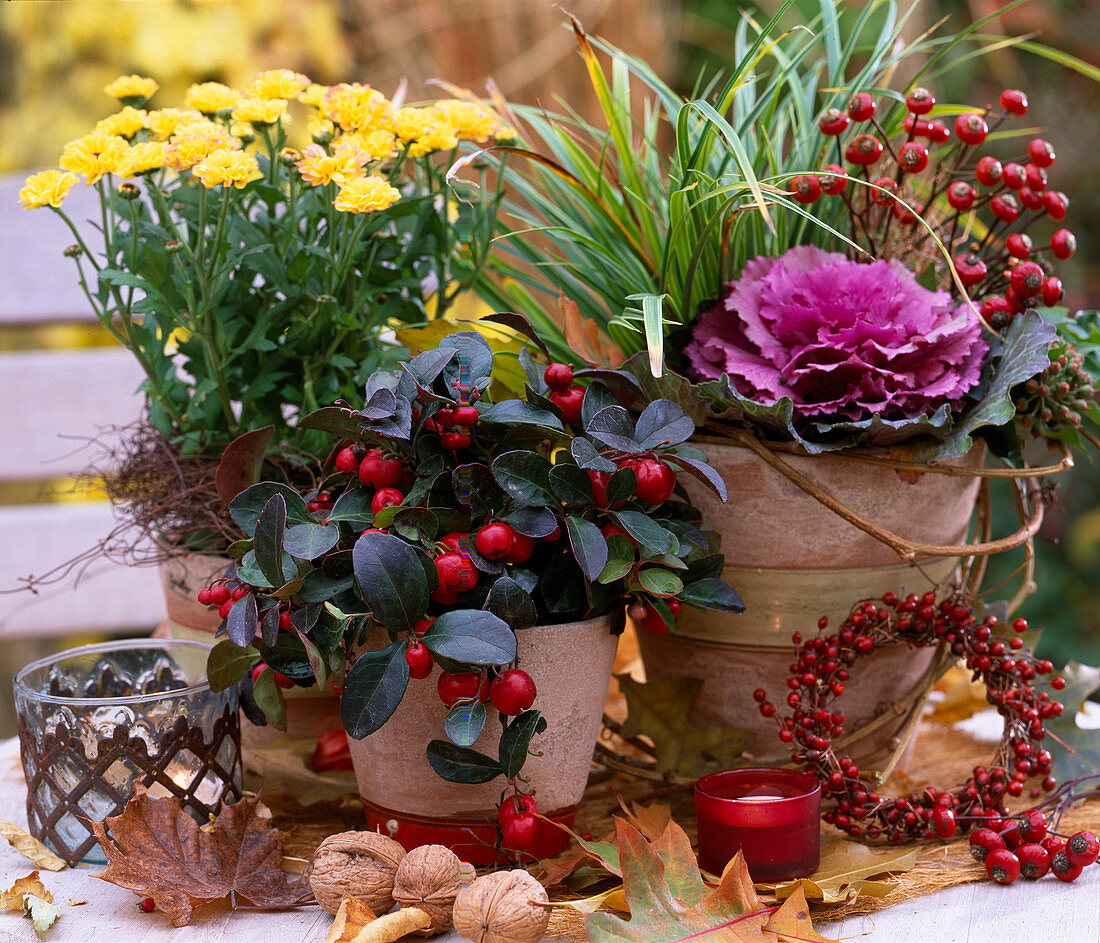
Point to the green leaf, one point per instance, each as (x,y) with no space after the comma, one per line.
(471,637)
(586,456)
(268,539)
(517,412)
(461,764)
(227,663)
(373,688)
(525,477)
(712,594)
(269,698)
(352,506)
(42,913)
(269,626)
(246,507)
(515,742)
(659,581)
(620,486)
(620,559)
(613,427)
(391,580)
(241,623)
(318,587)
(310,541)
(571,484)
(589,546)
(464,723)
(316,660)
(645,530)
(335,419)
(532,521)
(508,600)
(663,424)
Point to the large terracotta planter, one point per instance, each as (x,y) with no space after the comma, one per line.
(794,560)
(571,667)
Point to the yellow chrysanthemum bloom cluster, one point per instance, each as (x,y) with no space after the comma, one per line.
(132,88)
(260,111)
(471,121)
(143,157)
(354,107)
(226,167)
(164,122)
(196,141)
(318,167)
(125,123)
(366,195)
(211,98)
(277,83)
(94,155)
(47,188)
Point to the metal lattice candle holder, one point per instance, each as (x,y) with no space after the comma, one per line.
(97,721)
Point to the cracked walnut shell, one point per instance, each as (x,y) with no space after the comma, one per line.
(356,864)
(502,907)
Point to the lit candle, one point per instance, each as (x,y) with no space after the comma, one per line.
(771,815)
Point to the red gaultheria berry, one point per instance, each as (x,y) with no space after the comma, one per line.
(888,185)
(832,179)
(1055,202)
(377,471)
(1063,244)
(521,832)
(1040,152)
(1002,865)
(971,128)
(913,157)
(223,609)
(961,195)
(989,171)
(569,402)
(558,376)
(239,593)
(494,540)
(386,498)
(346,461)
(918,127)
(970,267)
(1030,199)
(419,660)
(148,905)
(864,150)
(515,805)
(1027,279)
(805,188)
(466,416)
(1052,294)
(833,122)
(984,841)
(636,611)
(444,417)
(219,593)
(459,686)
(1082,849)
(1014,101)
(861,106)
(1005,207)
(454,440)
(203,597)
(920,101)
(521,549)
(453,540)
(1034,861)
(938,132)
(1036,177)
(512,692)
(456,572)
(654,623)
(1019,245)
(286,623)
(599,488)
(656,481)
(1014,175)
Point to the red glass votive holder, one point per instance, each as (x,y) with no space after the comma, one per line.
(772,815)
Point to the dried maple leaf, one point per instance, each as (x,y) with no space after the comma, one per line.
(651,820)
(12,898)
(159,851)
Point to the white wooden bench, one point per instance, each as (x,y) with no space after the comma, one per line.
(52,400)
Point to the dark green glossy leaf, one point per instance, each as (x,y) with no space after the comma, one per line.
(464,723)
(589,546)
(241,623)
(532,521)
(310,541)
(373,688)
(352,506)
(317,587)
(703,472)
(508,600)
(416,524)
(596,397)
(461,764)
(246,507)
(269,698)
(620,486)
(335,419)
(659,581)
(317,662)
(228,662)
(525,476)
(663,424)
(268,539)
(248,571)
(613,427)
(328,630)
(586,455)
(473,366)
(572,485)
(288,657)
(712,594)
(516,741)
(472,637)
(391,580)
(269,626)
(519,324)
(621,558)
(517,412)
(644,530)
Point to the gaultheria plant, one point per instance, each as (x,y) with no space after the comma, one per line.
(839,338)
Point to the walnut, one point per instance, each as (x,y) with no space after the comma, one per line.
(429,878)
(502,908)
(356,864)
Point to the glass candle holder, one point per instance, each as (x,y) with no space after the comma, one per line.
(771,815)
(96,721)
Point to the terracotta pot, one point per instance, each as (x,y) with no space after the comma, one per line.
(571,667)
(310,713)
(793,560)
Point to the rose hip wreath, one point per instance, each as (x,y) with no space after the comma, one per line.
(822,666)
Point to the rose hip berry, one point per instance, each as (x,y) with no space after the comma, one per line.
(1063,244)
(1040,152)
(148,905)
(1019,245)
(806,188)
(1027,279)
(1034,860)
(494,540)
(984,841)
(1014,101)
(512,692)
(920,101)
(961,195)
(913,157)
(861,106)
(1002,865)
(989,171)
(971,128)
(1082,849)
(833,122)
(1055,203)
(863,150)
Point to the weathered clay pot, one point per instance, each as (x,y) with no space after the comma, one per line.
(794,560)
(571,667)
(309,714)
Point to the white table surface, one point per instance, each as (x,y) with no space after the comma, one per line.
(1047,910)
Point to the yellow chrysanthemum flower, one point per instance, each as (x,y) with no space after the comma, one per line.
(318,167)
(211,97)
(164,122)
(125,123)
(260,111)
(132,89)
(196,142)
(366,195)
(94,155)
(313,96)
(470,120)
(149,155)
(47,188)
(377,145)
(412,123)
(227,167)
(358,107)
(439,137)
(277,83)
(320,128)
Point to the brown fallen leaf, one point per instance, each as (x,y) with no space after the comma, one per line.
(157,850)
(352,915)
(77,903)
(12,898)
(30,847)
(651,820)
(791,922)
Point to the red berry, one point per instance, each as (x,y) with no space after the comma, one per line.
(1034,861)
(917,127)
(1036,177)
(375,471)
(445,596)
(1014,176)
(1033,824)
(515,805)
(656,481)
(419,660)
(654,623)
(913,157)
(1055,203)
(1072,873)
(521,832)
(1030,199)
(636,611)
(554,534)
(219,593)
(984,841)
(1005,207)
(386,498)
(806,188)
(971,128)
(861,106)
(569,402)
(459,686)
(455,440)
(938,132)
(559,377)
(1027,279)
(1052,845)
(961,195)
(285,622)
(864,150)
(988,171)
(465,416)
(346,461)
(493,541)
(833,122)
(1014,101)
(453,540)
(1040,152)
(1082,849)
(257,671)
(1052,294)
(971,268)
(521,549)
(223,609)
(1002,865)
(881,198)
(1063,244)
(283,681)
(203,597)
(456,573)
(1019,245)
(148,905)
(512,692)
(832,179)
(920,101)
(943,821)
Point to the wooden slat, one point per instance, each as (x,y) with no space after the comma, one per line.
(52,398)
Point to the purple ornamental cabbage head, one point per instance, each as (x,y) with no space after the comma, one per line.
(842,339)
